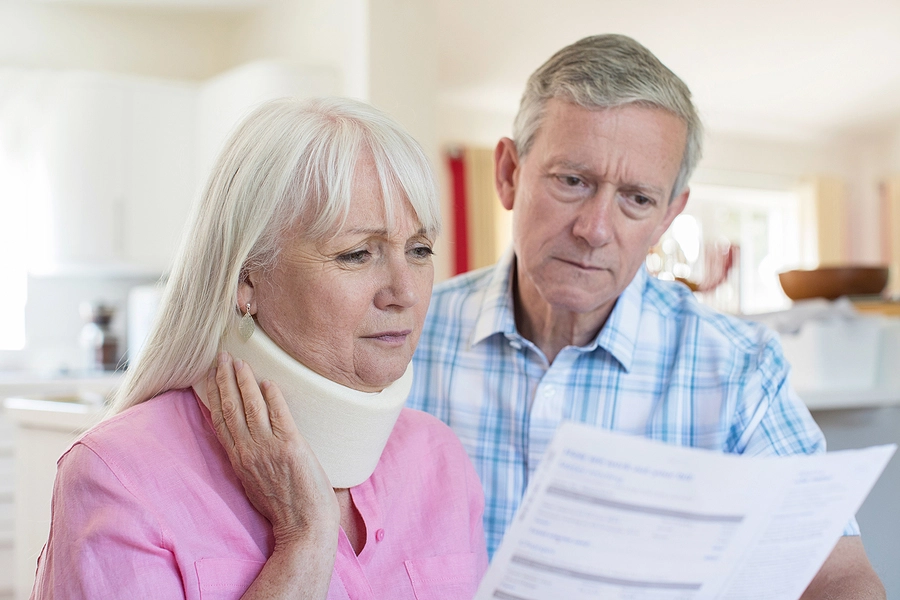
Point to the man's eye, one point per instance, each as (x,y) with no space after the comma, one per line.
(642,200)
(571,180)
(352,258)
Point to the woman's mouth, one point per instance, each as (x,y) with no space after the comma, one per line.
(391,337)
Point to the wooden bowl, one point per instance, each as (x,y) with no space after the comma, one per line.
(833,282)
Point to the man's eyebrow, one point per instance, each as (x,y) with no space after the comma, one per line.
(646,189)
(583,168)
(568,164)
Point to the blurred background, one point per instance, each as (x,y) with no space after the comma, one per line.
(111,112)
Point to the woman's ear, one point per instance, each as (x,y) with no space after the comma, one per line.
(246,294)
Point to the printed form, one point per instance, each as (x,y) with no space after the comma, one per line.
(614,516)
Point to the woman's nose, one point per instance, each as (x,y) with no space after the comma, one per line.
(593,222)
(399,288)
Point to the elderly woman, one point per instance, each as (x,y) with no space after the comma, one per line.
(307,267)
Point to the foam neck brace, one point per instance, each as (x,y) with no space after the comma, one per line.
(346,429)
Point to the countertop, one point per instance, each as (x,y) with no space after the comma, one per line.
(890,308)
(23,383)
(59,413)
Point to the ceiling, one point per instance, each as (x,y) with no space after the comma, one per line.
(785,69)
(796,69)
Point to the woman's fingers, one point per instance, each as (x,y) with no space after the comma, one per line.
(215,410)
(280,419)
(232,406)
(256,412)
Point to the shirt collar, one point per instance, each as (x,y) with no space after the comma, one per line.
(495,315)
(618,336)
(620,333)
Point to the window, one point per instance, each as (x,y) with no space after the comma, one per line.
(749,234)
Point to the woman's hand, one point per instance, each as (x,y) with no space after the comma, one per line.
(280,475)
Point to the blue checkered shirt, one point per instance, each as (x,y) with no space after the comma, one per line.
(663,366)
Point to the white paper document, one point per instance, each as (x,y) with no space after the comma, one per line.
(614,516)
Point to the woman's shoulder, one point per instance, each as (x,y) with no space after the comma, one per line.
(163,422)
(413,424)
(419,437)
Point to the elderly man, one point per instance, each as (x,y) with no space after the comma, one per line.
(568,325)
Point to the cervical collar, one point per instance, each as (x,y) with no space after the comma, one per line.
(346,429)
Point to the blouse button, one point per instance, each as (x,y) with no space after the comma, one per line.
(379,535)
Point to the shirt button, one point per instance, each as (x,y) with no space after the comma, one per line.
(549,391)
(515,344)
(379,535)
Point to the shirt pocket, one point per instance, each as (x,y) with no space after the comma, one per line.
(447,577)
(226,578)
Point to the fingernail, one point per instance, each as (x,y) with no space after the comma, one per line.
(238,364)
(223,358)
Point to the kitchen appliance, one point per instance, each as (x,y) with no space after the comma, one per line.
(99,343)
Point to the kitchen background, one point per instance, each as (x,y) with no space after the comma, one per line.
(112,110)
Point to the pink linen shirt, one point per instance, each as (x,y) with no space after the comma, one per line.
(146,505)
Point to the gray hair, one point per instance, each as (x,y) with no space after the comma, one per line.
(606,71)
(290,163)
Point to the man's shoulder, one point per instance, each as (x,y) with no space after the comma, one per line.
(458,301)
(673,301)
(465,283)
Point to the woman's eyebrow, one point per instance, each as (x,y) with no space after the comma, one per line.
(376,231)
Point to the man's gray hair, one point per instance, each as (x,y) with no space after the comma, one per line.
(290,163)
(606,71)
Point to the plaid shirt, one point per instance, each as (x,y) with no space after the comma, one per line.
(663,366)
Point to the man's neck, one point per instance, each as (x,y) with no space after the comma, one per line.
(552,329)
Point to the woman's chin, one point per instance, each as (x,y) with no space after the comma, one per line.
(375,378)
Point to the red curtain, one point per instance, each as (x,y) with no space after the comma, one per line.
(456,164)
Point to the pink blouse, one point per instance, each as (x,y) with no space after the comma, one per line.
(146,505)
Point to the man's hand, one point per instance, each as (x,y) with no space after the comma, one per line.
(846,573)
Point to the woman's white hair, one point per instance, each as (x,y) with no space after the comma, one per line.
(606,71)
(290,162)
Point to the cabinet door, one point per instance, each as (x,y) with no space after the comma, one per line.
(83,149)
(161,177)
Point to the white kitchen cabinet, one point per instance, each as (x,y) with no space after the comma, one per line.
(117,172)
(115,161)
(230,96)
(81,148)
(44,429)
(162,178)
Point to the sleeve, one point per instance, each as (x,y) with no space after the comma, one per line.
(104,543)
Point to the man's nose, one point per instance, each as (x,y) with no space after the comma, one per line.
(594,221)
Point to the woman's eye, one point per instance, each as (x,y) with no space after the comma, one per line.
(422,251)
(354,258)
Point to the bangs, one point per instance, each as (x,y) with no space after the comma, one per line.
(326,174)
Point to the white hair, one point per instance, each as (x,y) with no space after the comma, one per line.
(289,163)
(606,71)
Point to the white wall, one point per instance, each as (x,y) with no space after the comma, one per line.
(329,33)
(154,43)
